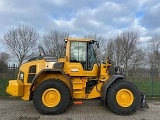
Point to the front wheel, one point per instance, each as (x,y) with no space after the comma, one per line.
(123,97)
(51,97)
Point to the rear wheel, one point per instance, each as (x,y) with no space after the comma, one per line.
(123,97)
(51,97)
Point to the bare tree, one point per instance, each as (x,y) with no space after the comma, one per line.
(54,44)
(137,59)
(124,50)
(21,42)
(101,52)
(3,62)
(110,51)
(4,57)
(154,53)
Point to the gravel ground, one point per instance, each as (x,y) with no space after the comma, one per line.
(16,109)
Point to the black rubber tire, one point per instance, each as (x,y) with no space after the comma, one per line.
(111,101)
(62,105)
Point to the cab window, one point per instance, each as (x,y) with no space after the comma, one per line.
(78,52)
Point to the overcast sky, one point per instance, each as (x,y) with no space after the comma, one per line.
(78,17)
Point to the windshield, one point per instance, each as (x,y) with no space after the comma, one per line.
(95,46)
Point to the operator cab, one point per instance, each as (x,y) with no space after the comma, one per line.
(81,57)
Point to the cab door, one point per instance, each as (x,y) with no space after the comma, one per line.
(78,59)
(82,59)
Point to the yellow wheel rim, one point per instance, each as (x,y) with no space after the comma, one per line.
(124,97)
(51,97)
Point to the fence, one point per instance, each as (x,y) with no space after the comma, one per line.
(148,81)
(6,74)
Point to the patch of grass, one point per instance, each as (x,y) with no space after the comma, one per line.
(3,86)
(8,97)
(148,84)
(148,87)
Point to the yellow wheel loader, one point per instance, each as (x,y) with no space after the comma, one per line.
(53,84)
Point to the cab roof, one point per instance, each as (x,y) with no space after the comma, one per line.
(78,39)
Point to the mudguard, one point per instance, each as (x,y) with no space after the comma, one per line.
(106,85)
(49,70)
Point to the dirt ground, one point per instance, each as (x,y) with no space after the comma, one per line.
(17,109)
